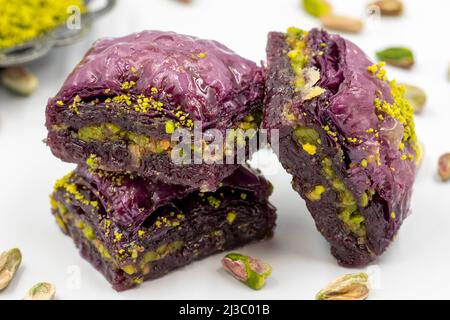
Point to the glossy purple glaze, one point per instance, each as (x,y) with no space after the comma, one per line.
(127,200)
(203,77)
(347,107)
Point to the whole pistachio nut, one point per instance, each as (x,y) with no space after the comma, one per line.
(41,291)
(342,23)
(317,8)
(348,287)
(397,56)
(390,8)
(253,272)
(19,80)
(9,263)
(444,167)
(416,97)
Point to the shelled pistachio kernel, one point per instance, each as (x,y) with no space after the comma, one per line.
(444,167)
(416,97)
(397,56)
(253,272)
(9,263)
(389,8)
(41,291)
(342,23)
(19,80)
(348,287)
(317,8)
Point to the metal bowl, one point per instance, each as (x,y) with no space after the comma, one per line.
(60,36)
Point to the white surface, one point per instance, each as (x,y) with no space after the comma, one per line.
(415,266)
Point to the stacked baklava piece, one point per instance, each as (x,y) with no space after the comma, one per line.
(133,211)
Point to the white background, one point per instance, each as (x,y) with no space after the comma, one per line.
(415,266)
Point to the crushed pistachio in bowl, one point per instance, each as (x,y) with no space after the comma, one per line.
(25,20)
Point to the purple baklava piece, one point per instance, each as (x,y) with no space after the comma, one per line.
(346,135)
(134,229)
(128,95)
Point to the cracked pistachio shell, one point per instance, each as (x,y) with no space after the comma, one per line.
(389,8)
(397,56)
(41,291)
(444,167)
(9,263)
(317,8)
(348,287)
(19,80)
(416,97)
(253,272)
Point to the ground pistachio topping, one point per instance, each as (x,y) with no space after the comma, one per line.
(141,103)
(174,220)
(72,191)
(401,109)
(253,272)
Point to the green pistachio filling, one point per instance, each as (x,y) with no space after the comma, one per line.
(141,145)
(89,234)
(160,253)
(65,218)
(239,134)
(310,141)
(306,77)
(111,132)
(349,213)
(231,216)
(308,138)
(299,60)
(316,193)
